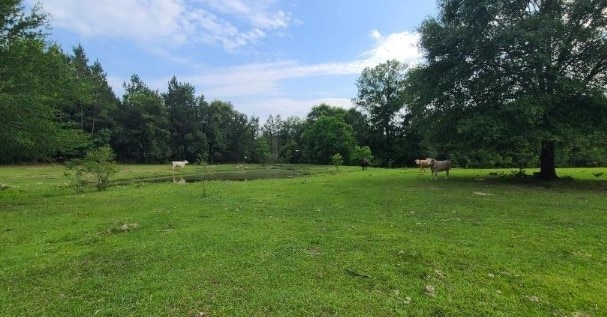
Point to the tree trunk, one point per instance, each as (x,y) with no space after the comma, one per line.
(547,167)
(94,119)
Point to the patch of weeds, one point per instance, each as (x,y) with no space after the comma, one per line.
(519,174)
(90,239)
(597,175)
(126,227)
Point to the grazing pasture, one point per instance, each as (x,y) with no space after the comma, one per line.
(375,242)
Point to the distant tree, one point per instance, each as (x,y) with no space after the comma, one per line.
(187,137)
(253,136)
(326,136)
(360,125)
(410,142)
(93,101)
(143,125)
(261,153)
(289,136)
(217,121)
(336,160)
(381,96)
(202,109)
(104,106)
(270,133)
(241,134)
(512,76)
(361,153)
(325,110)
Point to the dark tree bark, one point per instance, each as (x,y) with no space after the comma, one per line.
(547,166)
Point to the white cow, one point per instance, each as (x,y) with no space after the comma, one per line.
(439,166)
(180,164)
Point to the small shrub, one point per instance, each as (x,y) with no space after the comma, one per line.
(98,164)
(337,160)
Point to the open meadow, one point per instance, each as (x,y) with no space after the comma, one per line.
(313,242)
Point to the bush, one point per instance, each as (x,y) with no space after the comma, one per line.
(98,164)
(337,160)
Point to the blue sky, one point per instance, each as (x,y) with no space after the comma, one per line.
(264,56)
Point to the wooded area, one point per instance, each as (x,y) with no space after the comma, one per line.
(503,84)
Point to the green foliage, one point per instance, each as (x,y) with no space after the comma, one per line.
(33,80)
(143,133)
(93,102)
(187,136)
(290,152)
(16,24)
(261,153)
(381,96)
(326,136)
(336,160)
(270,132)
(360,125)
(98,164)
(51,103)
(220,123)
(361,153)
(325,110)
(521,77)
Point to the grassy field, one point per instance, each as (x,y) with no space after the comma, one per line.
(380,242)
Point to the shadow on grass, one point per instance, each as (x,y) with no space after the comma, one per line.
(517,178)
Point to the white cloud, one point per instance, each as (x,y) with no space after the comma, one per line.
(257,13)
(231,24)
(265,78)
(401,46)
(287,107)
(257,87)
(132,19)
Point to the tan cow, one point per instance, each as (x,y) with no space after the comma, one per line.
(423,164)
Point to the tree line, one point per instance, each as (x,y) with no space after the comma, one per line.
(506,83)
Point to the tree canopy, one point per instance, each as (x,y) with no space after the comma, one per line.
(512,76)
(33,81)
(381,97)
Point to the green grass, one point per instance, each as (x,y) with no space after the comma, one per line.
(381,242)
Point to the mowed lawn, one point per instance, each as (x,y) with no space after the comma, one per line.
(380,242)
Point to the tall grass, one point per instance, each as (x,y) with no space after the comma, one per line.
(380,242)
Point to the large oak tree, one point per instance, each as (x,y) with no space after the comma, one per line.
(512,76)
